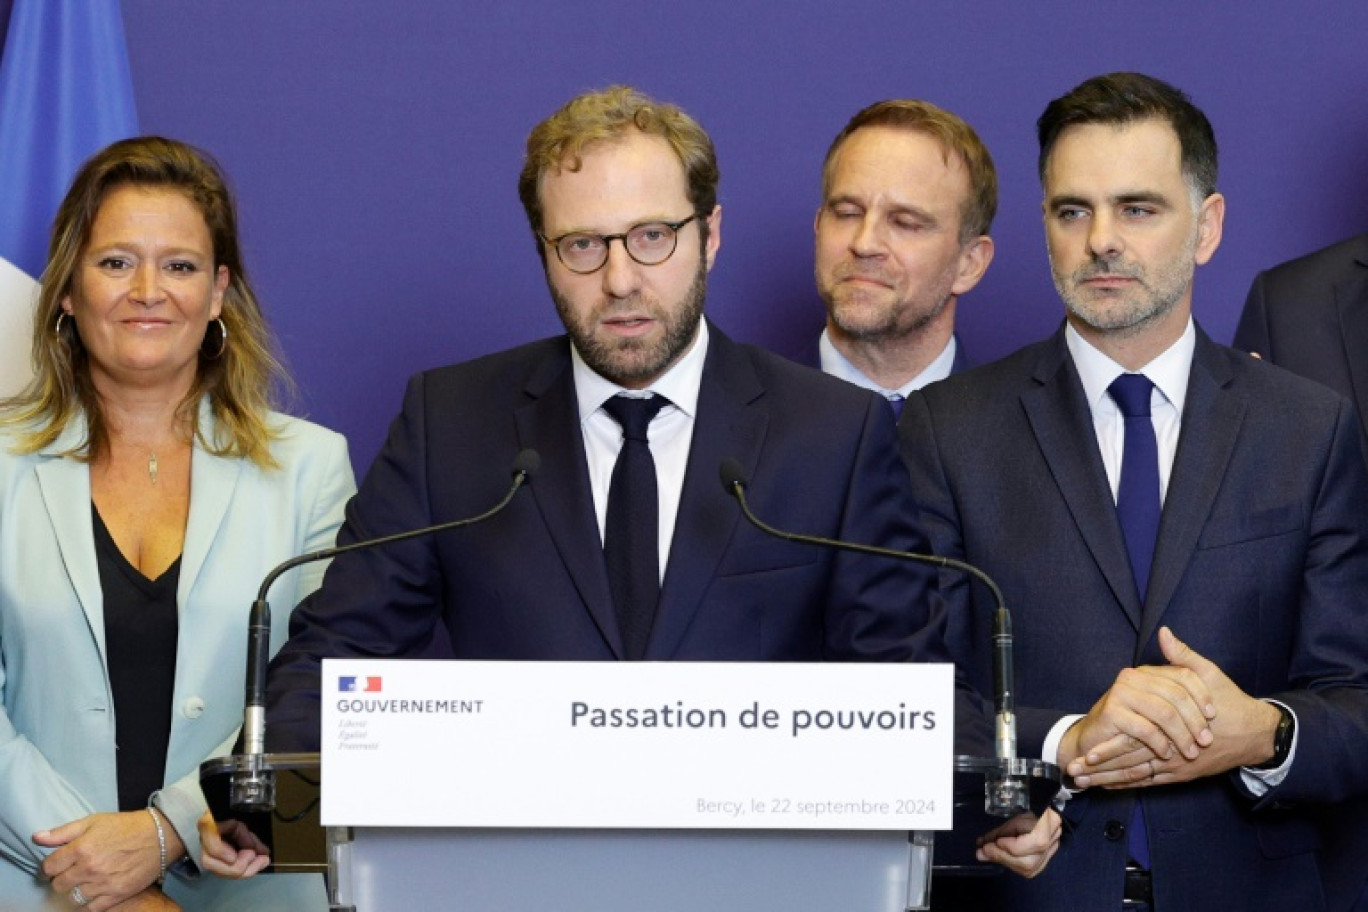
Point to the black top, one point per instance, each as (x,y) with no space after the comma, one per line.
(140,641)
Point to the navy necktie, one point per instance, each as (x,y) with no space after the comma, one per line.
(896,403)
(632,526)
(1138,507)
(1137,495)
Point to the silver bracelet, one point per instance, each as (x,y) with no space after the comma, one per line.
(161,844)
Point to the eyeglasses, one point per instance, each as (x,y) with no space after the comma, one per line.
(649,244)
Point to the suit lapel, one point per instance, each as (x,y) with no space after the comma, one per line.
(1211,423)
(1351,301)
(550,423)
(1062,423)
(65,483)
(726,427)
(213,481)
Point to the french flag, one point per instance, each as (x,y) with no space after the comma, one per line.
(66,91)
(353,684)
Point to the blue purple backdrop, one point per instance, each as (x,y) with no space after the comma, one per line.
(375,148)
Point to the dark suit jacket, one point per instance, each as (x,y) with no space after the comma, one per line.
(1261,565)
(531,583)
(1310,316)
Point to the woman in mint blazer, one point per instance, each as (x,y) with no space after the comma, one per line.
(146,487)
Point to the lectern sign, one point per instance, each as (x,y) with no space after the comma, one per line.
(678,745)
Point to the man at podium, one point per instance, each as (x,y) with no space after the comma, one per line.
(625,547)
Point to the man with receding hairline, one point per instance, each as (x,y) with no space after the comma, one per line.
(908,197)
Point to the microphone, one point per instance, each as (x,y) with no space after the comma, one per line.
(1006,793)
(253,787)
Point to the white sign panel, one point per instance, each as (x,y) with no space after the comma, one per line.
(678,745)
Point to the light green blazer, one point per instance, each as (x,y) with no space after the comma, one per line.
(57,744)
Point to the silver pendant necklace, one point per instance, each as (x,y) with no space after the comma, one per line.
(152,467)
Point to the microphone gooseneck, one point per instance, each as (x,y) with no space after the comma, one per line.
(1006,795)
(254,789)
(525,465)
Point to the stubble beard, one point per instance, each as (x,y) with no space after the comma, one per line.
(637,361)
(867,321)
(1130,312)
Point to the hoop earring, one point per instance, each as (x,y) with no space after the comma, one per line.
(57,330)
(223,343)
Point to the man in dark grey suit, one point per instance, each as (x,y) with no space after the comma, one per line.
(1179,530)
(908,197)
(1310,315)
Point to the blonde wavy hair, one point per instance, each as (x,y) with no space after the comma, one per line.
(243,378)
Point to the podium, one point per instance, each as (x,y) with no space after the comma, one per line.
(603,787)
(628,870)
(376,869)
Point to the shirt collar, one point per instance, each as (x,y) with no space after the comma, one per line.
(1169,371)
(679,384)
(836,364)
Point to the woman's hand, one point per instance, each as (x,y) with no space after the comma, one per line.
(230,849)
(110,857)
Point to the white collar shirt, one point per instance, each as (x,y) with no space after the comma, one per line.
(836,364)
(1169,374)
(670,434)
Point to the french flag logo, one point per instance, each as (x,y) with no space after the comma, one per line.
(353,684)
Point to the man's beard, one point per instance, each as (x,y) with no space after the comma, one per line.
(888,321)
(637,361)
(1130,311)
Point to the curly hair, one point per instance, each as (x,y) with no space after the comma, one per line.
(594,117)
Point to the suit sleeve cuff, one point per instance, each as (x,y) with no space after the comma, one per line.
(1258,782)
(1050,750)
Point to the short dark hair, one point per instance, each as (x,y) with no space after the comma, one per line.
(1124,98)
(955,137)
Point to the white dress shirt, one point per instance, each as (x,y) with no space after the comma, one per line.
(670,433)
(836,364)
(1169,374)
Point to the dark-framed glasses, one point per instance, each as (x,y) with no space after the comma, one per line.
(650,244)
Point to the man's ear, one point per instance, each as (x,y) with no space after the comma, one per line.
(974,259)
(714,235)
(1210,224)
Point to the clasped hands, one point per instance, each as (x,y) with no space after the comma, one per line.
(1161,724)
(1157,724)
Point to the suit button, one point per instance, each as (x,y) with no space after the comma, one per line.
(192,708)
(1115,830)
